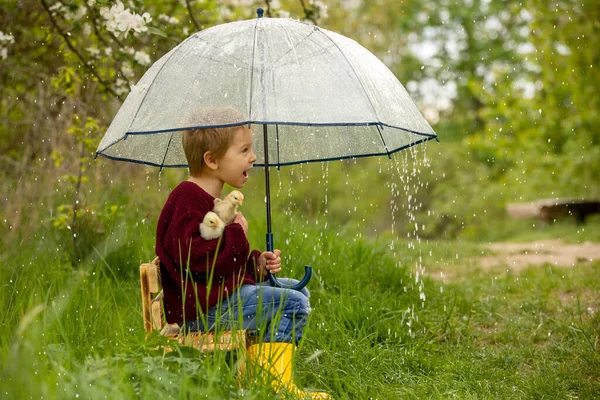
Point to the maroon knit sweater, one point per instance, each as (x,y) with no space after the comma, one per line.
(188,292)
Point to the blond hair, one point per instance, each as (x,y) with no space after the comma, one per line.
(197,142)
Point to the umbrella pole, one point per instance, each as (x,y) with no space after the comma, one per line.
(270,244)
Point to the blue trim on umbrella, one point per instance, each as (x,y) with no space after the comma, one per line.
(139,161)
(428,136)
(278,164)
(348,157)
(280,123)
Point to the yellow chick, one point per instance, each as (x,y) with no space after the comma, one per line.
(227,208)
(211,227)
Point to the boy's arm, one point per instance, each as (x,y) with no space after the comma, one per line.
(253,267)
(228,253)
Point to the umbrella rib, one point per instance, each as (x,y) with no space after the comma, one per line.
(224,61)
(166,151)
(252,73)
(305,58)
(355,73)
(294,47)
(219,50)
(383,140)
(277,141)
(135,161)
(150,85)
(322,50)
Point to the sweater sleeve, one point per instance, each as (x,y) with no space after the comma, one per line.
(252,266)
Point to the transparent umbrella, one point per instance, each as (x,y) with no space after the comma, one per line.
(315,95)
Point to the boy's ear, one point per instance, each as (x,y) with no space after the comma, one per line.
(210,160)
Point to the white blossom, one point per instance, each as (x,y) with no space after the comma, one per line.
(93,51)
(226,12)
(87,29)
(167,19)
(242,3)
(121,86)
(139,24)
(57,7)
(127,70)
(351,4)
(80,13)
(4,40)
(322,8)
(142,58)
(120,20)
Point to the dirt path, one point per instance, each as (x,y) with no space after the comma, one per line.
(514,257)
(520,255)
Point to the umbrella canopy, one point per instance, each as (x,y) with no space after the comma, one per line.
(323,96)
(317,96)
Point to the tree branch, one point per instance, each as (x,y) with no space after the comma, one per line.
(74,50)
(308,14)
(189,8)
(94,13)
(269,13)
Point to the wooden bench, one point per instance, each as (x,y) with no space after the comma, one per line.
(549,210)
(152,312)
(205,342)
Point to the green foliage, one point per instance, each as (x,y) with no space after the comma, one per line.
(370,228)
(548,142)
(512,144)
(378,325)
(84,226)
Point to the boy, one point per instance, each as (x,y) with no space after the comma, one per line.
(201,292)
(217,156)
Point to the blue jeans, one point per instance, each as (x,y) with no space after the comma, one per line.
(279,314)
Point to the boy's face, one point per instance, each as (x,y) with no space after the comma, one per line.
(234,166)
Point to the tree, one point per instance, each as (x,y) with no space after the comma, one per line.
(66,66)
(541,130)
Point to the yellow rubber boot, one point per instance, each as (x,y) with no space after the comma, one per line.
(276,361)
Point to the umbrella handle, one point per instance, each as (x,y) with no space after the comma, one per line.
(300,285)
(270,246)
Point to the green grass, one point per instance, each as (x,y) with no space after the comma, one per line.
(379,327)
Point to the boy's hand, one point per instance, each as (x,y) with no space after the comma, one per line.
(240,219)
(270,262)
